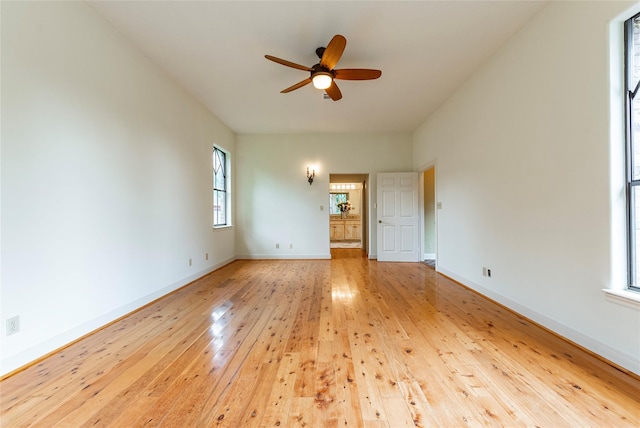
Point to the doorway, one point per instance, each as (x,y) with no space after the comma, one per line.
(348,213)
(429,204)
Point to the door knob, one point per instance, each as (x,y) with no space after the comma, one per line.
(379,221)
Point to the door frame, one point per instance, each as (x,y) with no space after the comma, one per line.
(422,170)
(365,180)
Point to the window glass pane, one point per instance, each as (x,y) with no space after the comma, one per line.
(219,212)
(218,180)
(634,54)
(219,169)
(635,138)
(635,233)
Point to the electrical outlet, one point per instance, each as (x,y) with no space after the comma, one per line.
(277,246)
(13,325)
(190,262)
(290,246)
(484,271)
(321,207)
(206,256)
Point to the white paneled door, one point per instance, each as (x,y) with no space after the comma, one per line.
(398,217)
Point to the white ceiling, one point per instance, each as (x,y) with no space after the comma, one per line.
(215,49)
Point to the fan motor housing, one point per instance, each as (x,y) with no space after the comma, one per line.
(320,69)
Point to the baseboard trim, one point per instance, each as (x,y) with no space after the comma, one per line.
(619,360)
(31,356)
(429,256)
(284,257)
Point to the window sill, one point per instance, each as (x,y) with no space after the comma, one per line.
(630,299)
(228,226)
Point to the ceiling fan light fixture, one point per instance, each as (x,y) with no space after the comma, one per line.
(323,74)
(322,80)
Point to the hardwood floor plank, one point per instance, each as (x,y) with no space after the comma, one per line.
(281,393)
(325,403)
(301,412)
(371,403)
(398,412)
(240,406)
(342,342)
(421,412)
(347,394)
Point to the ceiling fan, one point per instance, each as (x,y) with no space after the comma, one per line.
(323,74)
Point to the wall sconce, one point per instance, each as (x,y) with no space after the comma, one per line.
(310,176)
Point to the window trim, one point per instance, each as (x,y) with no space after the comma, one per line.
(630,183)
(628,298)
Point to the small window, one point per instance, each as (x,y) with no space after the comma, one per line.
(220,188)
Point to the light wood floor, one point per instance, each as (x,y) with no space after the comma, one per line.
(346,342)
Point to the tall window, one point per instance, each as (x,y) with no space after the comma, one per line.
(632,89)
(220,188)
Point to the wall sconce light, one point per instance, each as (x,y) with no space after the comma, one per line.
(310,176)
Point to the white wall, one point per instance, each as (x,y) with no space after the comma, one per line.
(278,205)
(523,174)
(106,178)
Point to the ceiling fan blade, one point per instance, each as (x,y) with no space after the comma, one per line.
(333,91)
(287,63)
(296,86)
(357,74)
(333,52)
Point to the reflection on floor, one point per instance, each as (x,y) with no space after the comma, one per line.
(346,244)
